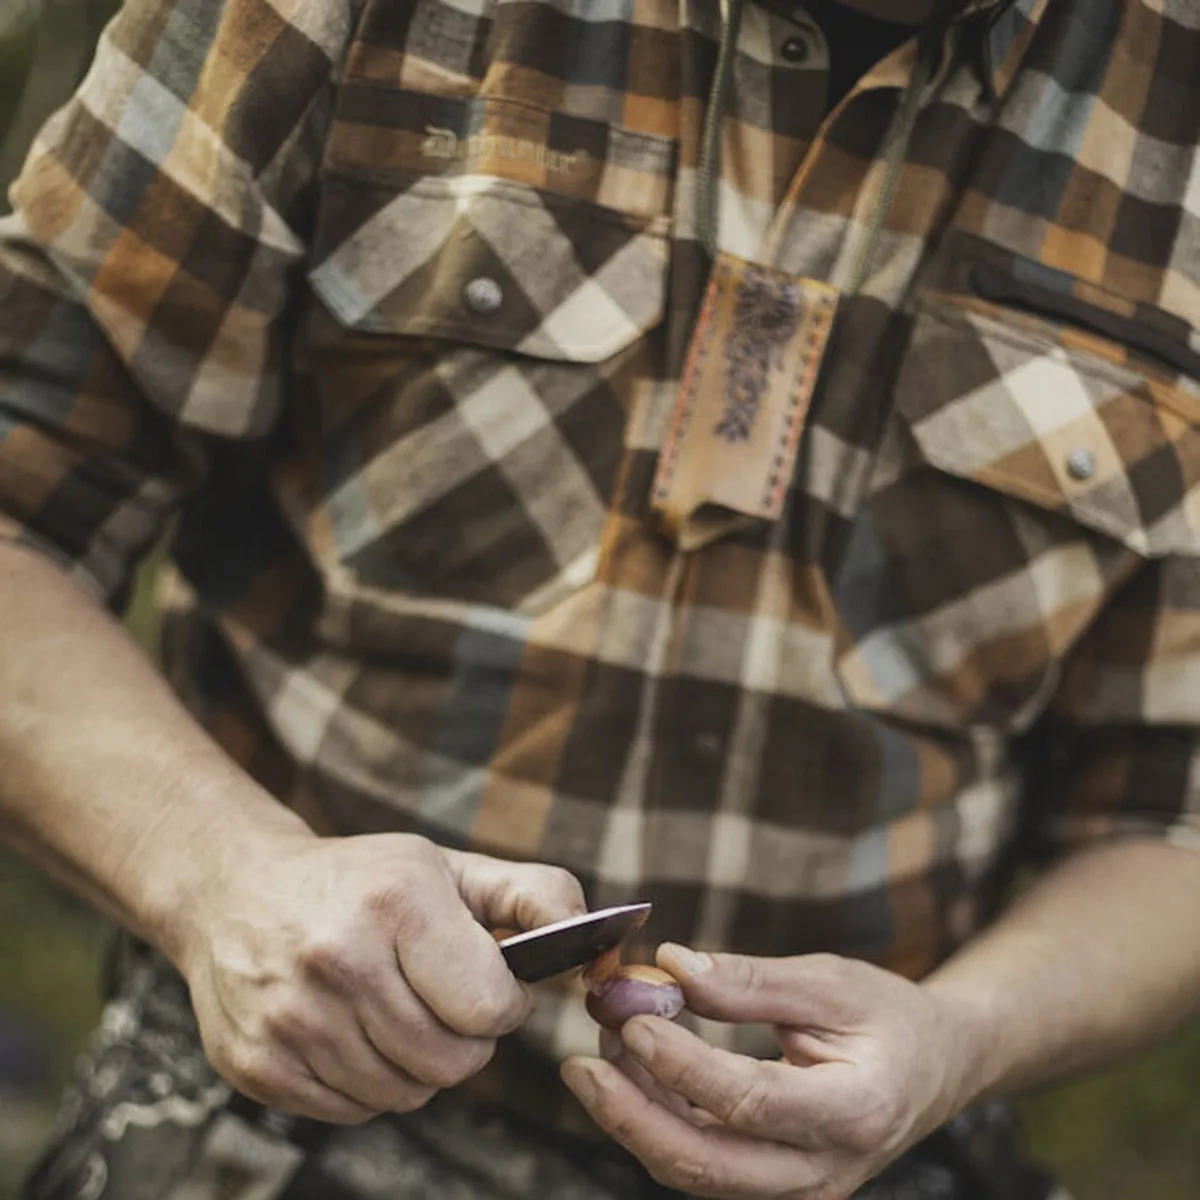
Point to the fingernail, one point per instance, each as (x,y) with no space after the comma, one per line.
(639,1039)
(581,1081)
(687,960)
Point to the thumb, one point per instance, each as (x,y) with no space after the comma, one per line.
(809,991)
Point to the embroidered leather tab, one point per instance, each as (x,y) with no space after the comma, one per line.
(747,384)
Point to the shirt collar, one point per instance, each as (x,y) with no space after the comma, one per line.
(1008,28)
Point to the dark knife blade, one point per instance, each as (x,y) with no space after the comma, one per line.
(542,953)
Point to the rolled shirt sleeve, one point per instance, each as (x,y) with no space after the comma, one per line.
(1118,752)
(159,225)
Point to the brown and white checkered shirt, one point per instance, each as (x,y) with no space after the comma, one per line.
(391,301)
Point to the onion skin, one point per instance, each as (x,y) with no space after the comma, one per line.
(617,993)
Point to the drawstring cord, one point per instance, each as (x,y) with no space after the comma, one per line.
(899,137)
(708,179)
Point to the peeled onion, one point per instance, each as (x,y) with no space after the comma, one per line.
(617,993)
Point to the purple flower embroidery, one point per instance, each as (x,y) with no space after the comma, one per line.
(765,316)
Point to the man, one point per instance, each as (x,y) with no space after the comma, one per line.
(743,457)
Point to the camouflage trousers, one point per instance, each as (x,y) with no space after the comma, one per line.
(148,1119)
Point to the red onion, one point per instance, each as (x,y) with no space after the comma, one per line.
(617,993)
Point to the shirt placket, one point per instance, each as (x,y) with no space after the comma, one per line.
(704,736)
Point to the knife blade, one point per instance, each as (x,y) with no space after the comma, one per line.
(541,953)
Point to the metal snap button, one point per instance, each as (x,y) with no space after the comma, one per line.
(794,50)
(1081,464)
(483,296)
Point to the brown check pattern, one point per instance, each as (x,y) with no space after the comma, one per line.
(420,582)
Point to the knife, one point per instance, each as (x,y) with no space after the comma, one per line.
(541,953)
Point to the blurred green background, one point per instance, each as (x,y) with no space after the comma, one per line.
(1131,1135)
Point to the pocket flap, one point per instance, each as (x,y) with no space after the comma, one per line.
(491,263)
(1014,409)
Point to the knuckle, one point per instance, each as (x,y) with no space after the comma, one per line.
(408,917)
(286,1024)
(413,1098)
(350,1117)
(253,1069)
(564,884)
(443,1073)
(449,1070)
(485,1014)
(830,968)
(751,1107)
(621,1127)
(422,849)
(423,862)
(326,959)
(479,1055)
(744,973)
(686,1175)
(385,900)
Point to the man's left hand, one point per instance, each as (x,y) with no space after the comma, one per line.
(871,1064)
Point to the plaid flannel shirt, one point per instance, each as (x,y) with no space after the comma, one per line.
(390,301)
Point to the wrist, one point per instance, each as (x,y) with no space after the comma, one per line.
(968,1022)
(212,833)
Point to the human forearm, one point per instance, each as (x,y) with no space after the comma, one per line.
(1097,960)
(317,966)
(107,781)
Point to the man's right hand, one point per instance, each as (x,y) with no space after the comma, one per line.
(333,978)
(346,977)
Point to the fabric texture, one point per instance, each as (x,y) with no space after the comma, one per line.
(389,301)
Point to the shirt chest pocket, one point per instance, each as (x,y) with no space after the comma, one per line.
(470,352)
(1032,465)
